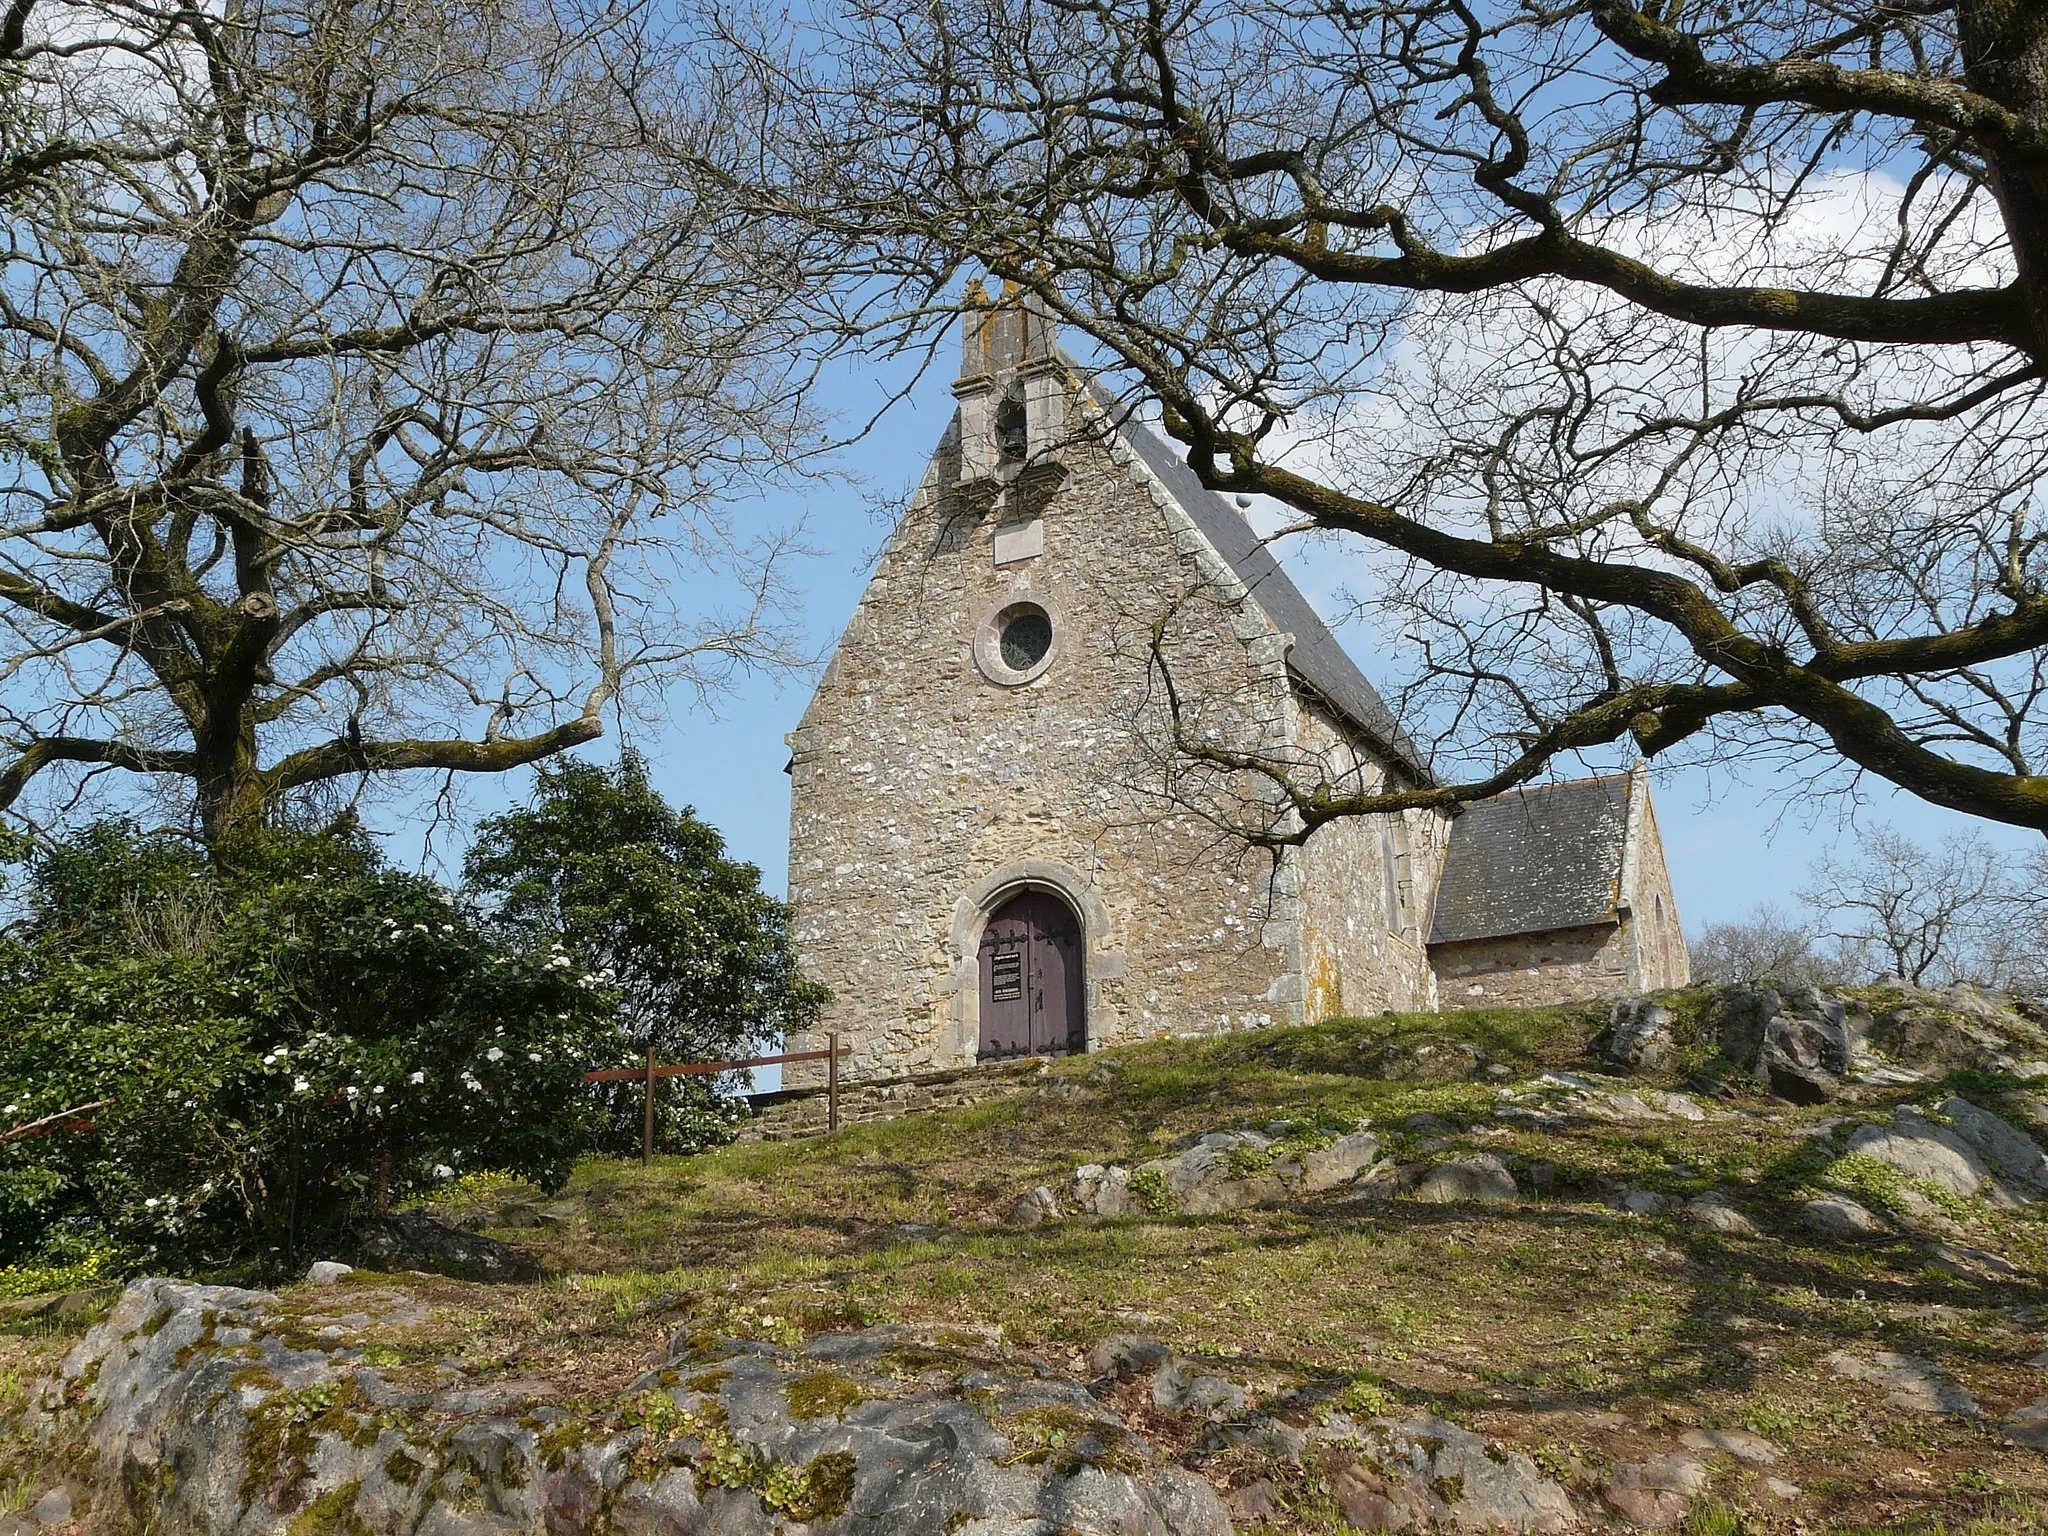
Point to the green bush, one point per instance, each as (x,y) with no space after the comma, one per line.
(697,957)
(275,1039)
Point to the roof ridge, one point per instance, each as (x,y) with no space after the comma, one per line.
(1317,656)
(1591,778)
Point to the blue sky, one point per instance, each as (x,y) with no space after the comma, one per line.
(1732,841)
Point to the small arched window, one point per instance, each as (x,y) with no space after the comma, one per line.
(1013,436)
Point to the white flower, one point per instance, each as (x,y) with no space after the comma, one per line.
(11,1109)
(421,928)
(352,1091)
(443,1171)
(417,1078)
(300,1085)
(494,1054)
(152,1202)
(377,1090)
(533,1055)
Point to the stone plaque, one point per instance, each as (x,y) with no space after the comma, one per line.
(1020,541)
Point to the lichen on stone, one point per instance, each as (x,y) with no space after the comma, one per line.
(284,1428)
(822,1395)
(332,1514)
(1065,1440)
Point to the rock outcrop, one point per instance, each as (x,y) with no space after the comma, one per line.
(1639,1037)
(1912,1384)
(1923,1149)
(217,1412)
(1226,1171)
(1799,1043)
(1482,1180)
(2008,1149)
(1427,1474)
(1808,1046)
(1388,1473)
(1555,1100)
(406,1240)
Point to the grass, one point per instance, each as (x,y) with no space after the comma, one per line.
(1551,1322)
(1558,1325)
(2007,1517)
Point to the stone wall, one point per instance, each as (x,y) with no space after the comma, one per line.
(1531,970)
(921,788)
(1357,958)
(1658,956)
(799,1112)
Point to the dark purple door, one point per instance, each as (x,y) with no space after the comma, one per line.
(1031,979)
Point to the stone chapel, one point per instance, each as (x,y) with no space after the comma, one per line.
(1001,844)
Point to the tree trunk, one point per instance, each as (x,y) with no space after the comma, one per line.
(230,791)
(2005,57)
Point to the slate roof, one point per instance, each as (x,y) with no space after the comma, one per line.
(1317,659)
(1533,860)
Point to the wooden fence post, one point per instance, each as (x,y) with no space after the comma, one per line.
(832,1082)
(647,1124)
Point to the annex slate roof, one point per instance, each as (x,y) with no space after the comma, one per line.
(1533,860)
(1317,658)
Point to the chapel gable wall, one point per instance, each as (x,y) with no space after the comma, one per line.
(917,782)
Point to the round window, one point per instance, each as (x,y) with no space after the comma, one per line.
(1026,637)
(1016,643)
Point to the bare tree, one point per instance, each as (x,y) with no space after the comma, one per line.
(1766,946)
(1687,361)
(376,378)
(2013,945)
(1898,911)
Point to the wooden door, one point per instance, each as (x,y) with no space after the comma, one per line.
(1031,998)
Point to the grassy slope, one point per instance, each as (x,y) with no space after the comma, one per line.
(1583,1335)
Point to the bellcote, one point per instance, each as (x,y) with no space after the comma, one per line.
(1012,385)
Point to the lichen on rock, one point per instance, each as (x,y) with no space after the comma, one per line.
(194,1406)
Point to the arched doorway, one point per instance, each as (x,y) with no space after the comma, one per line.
(1031,983)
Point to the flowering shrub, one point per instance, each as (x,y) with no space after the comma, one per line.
(282,1042)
